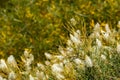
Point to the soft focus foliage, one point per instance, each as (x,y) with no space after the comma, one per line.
(83,58)
(43,24)
(61,39)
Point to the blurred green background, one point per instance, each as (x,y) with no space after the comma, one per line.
(43,25)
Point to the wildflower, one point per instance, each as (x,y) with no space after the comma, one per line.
(12,76)
(31,57)
(11,61)
(107,28)
(31,77)
(73,21)
(28,13)
(103,57)
(97,27)
(77,34)
(28,61)
(75,40)
(88,61)
(69,50)
(47,62)
(77,61)
(3,66)
(98,42)
(48,56)
(80,63)
(57,68)
(26,52)
(27,66)
(118,48)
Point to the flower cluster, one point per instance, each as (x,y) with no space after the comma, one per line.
(84,57)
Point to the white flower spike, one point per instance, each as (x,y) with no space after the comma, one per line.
(88,61)
(31,77)
(12,76)
(11,61)
(98,42)
(48,56)
(3,66)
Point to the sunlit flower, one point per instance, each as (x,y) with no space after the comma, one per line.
(96,32)
(27,65)
(97,27)
(3,66)
(77,61)
(48,56)
(11,61)
(80,63)
(12,76)
(73,21)
(107,28)
(88,61)
(77,34)
(47,63)
(57,68)
(26,52)
(98,42)
(103,57)
(69,50)
(75,40)
(28,61)
(28,13)
(31,77)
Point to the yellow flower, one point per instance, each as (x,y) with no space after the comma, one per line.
(1,53)
(28,13)
(27,50)
(92,23)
